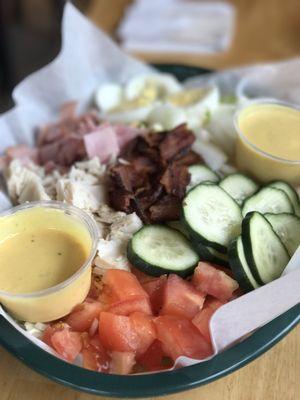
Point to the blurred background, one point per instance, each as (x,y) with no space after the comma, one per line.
(210,34)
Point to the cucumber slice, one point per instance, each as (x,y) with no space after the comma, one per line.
(211,216)
(240,267)
(209,254)
(179,227)
(200,173)
(290,192)
(265,254)
(158,249)
(268,200)
(239,187)
(287,227)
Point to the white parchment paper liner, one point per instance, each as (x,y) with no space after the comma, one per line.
(88,58)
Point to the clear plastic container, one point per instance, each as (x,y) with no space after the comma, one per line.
(258,163)
(57,301)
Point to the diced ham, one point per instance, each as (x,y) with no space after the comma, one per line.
(63,152)
(126,133)
(67,110)
(22,152)
(102,143)
(4,161)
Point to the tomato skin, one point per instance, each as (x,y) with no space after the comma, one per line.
(120,285)
(122,362)
(155,289)
(180,298)
(66,343)
(213,281)
(179,337)
(81,318)
(127,307)
(117,333)
(151,360)
(145,330)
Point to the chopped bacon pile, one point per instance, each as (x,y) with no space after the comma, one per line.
(151,175)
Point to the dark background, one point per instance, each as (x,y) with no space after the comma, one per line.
(265,30)
(29,39)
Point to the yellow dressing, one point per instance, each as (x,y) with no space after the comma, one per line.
(40,248)
(274,129)
(268,144)
(38,259)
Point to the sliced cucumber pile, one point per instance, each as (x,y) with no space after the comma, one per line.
(240,267)
(209,254)
(239,187)
(265,254)
(268,200)
(159,249)
(178,226)
(211,216)
(201,173)
(287,227)
(290,192)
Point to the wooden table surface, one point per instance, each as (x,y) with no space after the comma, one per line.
(265,30)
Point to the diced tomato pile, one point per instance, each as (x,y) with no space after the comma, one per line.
(132,322)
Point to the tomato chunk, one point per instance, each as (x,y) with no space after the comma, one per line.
(211,280)
(152,359)
(155,289)
(51,329)
(120,285)
(94,355)
(179,337)
(202,319)
(117,333)
(67,344)
(181,298)
(123,294)
(121,362)
(126,334)
(145,330)
(136,303)
(141,277)
(82,316)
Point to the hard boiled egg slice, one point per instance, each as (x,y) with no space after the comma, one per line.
(167,116)
(108,96)
(197,103)
(126,116)
(156,86)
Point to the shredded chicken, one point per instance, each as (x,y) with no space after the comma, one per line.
(24,184)
(80,194)
(112,246)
